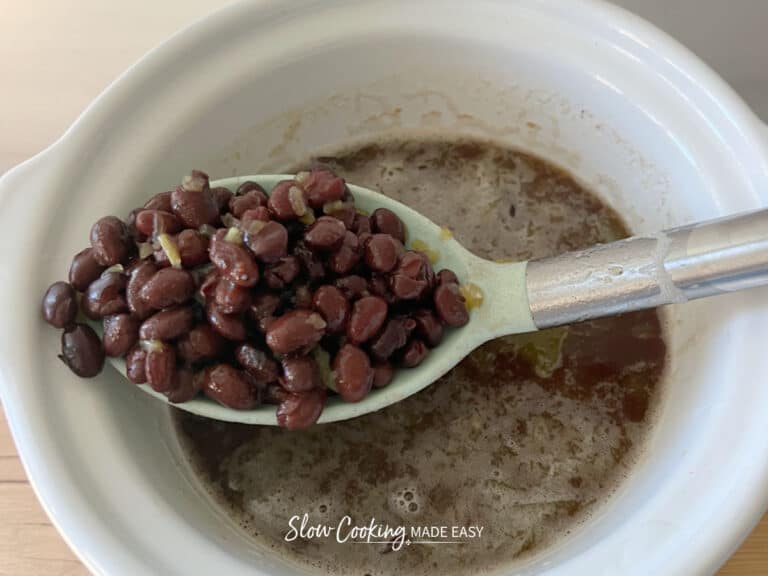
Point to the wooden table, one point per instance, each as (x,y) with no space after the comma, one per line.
(59,55)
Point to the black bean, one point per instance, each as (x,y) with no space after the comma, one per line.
(354,375)
(81,350)
(294,331)
(121,332)
(105,296)
(168,324)
(85,269)
(298,411)
(60,305)
(110,241)
(300,374)
(230,387)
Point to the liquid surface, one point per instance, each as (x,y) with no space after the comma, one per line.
(524,438)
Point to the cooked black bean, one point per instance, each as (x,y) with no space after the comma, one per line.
(412,277)
(294,331)
(353,286)
(121,332)
(82,351)
(233,260)
(300,374)
(231,298)
(110,241)
(264,305)
(383,372)
(343,211)
(387,222)
(361,224)
(231,326)
(230,387)
(186,385)
(414,353)
(393,337)
(325,234)
(428,327)
(138,277)
(105,296)
(160,365)
(287,201)
(60,305)
(354,375)
(201,343)
(449,304)
(168,324)
(135,365)
(257,363)
(347,255)
(446,276)
(278,275)
(330,302)
(161,201)
(267,240)
(302,297)
(167,287)
(193,203)
(298,411)
(85,269)
(381,252)
(321,186)
(310,261)
(249,200)
(192,247)
(222,196)
(367,318)
(153,222)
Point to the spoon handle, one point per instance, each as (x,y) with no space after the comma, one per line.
(694,261)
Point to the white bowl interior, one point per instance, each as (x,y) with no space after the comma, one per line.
(256,89)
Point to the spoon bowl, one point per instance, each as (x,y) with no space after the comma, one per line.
(504,310)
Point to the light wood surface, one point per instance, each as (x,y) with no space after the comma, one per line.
(54,58)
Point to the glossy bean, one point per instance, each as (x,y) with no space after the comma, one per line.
(379,286)
(366,319)
(138,277)
(201,343)
(330,302)
(299,411)
(167,287)
(310,261)
(120,334)
(105,296)
(193,203)
(393,337)
(110,241)
(60,305)
(82,351)
(221,196)
(249,216)
(413,277)
(84,269)
(295,331)
(278,275)
(274,394)
(446,276)
(135,365)
(414,353)
(385,221)
(381,252)
(229,387)
(154,222)
(249,200)
(192,246)
(159,366)
(233,261)
(186,385)
(168,324)
(257,363)
(208,284)
(321,186)
(161,201)
(347,255)
(300,374)
(428,327)
(231,298)
(264,305)
(383,372)
(352,287)
(354,374)
(268,241)
(325,234)
(231,326)
(361,224)
(449,304)
(287,201)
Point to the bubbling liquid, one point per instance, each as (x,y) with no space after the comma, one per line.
(525,438)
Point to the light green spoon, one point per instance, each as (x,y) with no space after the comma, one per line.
(641,272)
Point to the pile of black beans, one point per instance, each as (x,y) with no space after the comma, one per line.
(250,298)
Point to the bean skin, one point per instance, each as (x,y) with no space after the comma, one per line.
(387,222)
(139,276)
(201,343)
(185,386)
(250,200)
(84,269)
(231,326)
(121,332)
(110,241)
(446,276)
(193,249)
(229,387)
(428,327)
(161,201)
(167,324)
(167,287)
(257,363)
(60,305)
(300,374)
(330,302)
(299,411)
(82,351)
(352,287)
(264,305)
(367,318)
(233,261)
(414,353)
(278,275)
(325,234)
(322,186)
(383,372)
(347,256)
(193,203)
(221,196)
(381,252)
(393,337)
(135,364)
(105,296)
(413,276)
(249,216)
(159,366)
(354,375)
(209,284)
(287,201)
(268,242)
(449,304)
(231,298)
(153,222)
(294,331)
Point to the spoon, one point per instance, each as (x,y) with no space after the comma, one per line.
(669,267)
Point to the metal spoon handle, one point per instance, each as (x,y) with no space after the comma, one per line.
(677,265)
